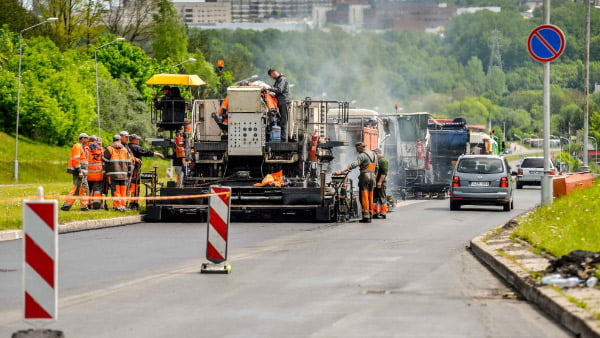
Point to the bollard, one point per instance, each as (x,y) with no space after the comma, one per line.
(40,265)
(217,237)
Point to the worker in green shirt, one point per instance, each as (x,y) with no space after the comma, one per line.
(380,207)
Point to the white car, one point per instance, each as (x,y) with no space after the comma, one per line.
(531,171)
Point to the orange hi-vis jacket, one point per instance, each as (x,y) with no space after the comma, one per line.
(223,109)
(77,159)
(95,165)
(117,161)
(270,101)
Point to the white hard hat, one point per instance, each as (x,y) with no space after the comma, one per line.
(83,135)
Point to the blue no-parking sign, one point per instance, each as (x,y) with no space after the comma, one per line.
(546,43)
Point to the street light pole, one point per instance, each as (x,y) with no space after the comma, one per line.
(182,62)
(16,172)
(586,86)
(97,93)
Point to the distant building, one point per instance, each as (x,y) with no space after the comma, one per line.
(256,26)
(426,16)
(203,12)
(259,10)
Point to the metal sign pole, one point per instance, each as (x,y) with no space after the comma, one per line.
(547,179)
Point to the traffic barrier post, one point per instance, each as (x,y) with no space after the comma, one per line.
(40,263)
(217,237)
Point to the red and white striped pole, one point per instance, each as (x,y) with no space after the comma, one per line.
(40,266)
(217,237)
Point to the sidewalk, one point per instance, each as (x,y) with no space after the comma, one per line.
(577,308)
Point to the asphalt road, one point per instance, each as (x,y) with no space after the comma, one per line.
(407,276)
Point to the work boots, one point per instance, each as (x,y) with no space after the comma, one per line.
(365,220)
(65,207)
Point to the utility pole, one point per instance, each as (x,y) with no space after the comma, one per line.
(495,61)
(586,87)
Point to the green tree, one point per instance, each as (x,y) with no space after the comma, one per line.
(15,17)
(495,84)
(474,76)
(169,36)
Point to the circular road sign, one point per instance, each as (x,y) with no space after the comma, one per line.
(546,43)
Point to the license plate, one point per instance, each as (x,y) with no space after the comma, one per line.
(479,184)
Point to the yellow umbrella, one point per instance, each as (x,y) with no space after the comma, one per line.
(176,79)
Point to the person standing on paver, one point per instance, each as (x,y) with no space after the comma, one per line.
(379,194)
(366,161)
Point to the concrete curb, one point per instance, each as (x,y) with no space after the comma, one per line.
(546,298)
(9,235)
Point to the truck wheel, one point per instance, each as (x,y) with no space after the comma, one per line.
(454,205)
(519,185)
(506,207)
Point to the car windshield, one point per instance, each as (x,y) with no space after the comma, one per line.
(480,166)
(533,163)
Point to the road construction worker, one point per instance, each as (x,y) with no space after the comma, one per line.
(380,206)
(77,166)
(164,100)
(125,142)
(138,152)
(95,176)
(284,99)
(222,116)
(366,161)
(117,165)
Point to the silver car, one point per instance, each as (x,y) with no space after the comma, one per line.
(482,179)
(531,170)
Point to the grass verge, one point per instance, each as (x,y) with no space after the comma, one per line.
(41,163)
(571,223)
(11,214)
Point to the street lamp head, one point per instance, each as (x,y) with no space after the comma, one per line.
(191,60)
(119,39)
(51,19)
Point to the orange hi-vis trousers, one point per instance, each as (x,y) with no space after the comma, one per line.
(119,189)
(96,193)
(366,202)
(134,186)
(380,200)
(80,188)
(134,191)
(366,184)
(380,208)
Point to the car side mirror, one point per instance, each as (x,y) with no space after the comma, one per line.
(513,173)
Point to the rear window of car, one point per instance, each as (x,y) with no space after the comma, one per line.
(480,166)
(533,163)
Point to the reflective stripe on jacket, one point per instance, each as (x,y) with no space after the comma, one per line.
(77,159)
(117,161)
(95,165)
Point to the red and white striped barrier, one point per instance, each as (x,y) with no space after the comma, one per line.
(40,266)
(219,207)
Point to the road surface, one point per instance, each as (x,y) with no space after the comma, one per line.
(407,276)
